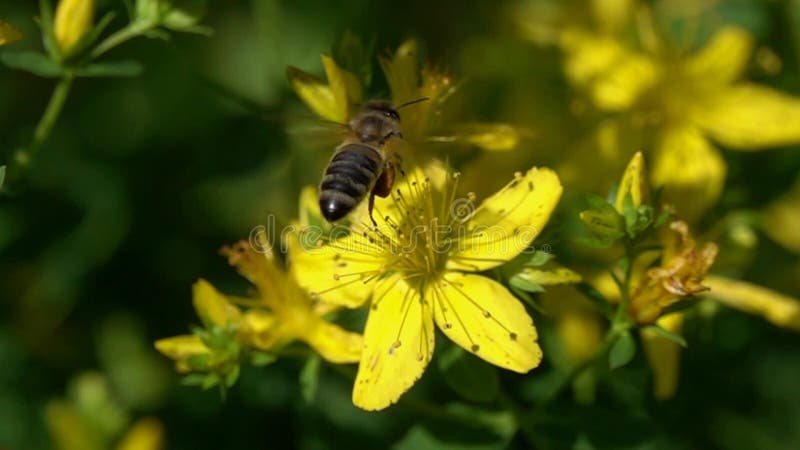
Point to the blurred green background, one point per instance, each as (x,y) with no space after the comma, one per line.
(143,179)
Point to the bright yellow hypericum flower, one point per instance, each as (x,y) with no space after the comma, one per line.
(73,20)
(419,265)
(8,33)
(281,312)
(421,123)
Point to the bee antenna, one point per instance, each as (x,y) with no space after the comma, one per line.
(421,99)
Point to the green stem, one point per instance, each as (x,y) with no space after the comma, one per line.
(131,31)
(24,156)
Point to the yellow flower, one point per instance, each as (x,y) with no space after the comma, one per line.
(8,33)
(581,335)
(283,311)
(781,218)
(672,103)
(72,21)
(682,269)
(422,122)
(418,266)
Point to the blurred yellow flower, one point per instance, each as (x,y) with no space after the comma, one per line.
(422,122)
(781,219)
(672,103)
(680,273)
(73,20)
(8,33)
(418,264)
(581,334)
(281,312)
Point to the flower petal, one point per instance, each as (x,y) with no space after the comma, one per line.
(781,218)
(259,327)
(181,347)
(345,87)
(341,272)
(480,315)
(777,308)
(402,72)
(213,307)
(663,355)
(398,344)
(689,168)
(488,136)
(316,94)
(145,434)
(751,117)
(334,343)
(723,59)
(506,223)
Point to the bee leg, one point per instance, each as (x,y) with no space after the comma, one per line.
(382,188)
(372,205)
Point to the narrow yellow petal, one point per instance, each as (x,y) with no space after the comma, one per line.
(634,183)
(181,347)
(398,344)
(68,428)
(73,19)
(145,434)
(342,272)
(780,309)
(624,82)
(691,171)
(781,219)
(489,136)
(547,277)
(664,356)
(345,87)
(308,209)
(213,307)
(8,33)
(750,117)
(402,72)
(507,222)
(316,94)
(723,59)
(334,343)
(480,315)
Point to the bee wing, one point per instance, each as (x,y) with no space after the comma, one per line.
(315,133)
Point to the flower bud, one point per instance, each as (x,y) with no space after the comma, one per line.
(633,183)
(73,20)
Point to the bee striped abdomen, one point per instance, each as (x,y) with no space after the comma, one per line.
(350,175)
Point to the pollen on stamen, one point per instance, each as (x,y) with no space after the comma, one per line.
(313,295)
(471,196)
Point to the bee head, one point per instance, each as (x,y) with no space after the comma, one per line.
(377,121)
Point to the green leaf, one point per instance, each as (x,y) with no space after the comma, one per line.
(34,62)
(309,378)
(232,376)
(45,21)
(676,338)
(210,381)
(89,38)
(539,258)
(622,352)
(111,69)
(194,379)
(261,359)
(2,175)
(525,284)
(469,376)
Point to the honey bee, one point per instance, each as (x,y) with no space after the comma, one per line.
(363,165)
